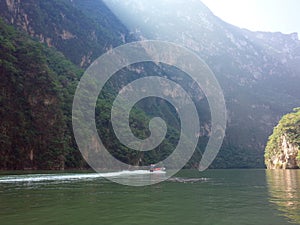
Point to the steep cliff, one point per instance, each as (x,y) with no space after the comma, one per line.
(258,71)
(57,23)
(282,151)
(35,91)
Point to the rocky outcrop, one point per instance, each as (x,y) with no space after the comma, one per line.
(282,151)
(286,158)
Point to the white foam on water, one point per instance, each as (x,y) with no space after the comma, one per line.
(66,177)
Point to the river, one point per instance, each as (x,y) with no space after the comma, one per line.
(213,197)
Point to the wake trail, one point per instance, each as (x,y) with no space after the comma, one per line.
(66,177)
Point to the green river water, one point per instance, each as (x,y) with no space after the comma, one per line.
(223,197)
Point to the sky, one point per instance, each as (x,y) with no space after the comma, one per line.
(259,15)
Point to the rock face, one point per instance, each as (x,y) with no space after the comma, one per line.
(259,71)
(59,24)
(286,157)
(282,151)
(289,154)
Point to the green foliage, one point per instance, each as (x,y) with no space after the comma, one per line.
(58,23)
(37,89)
(35,103)
(289,127)
(82,31)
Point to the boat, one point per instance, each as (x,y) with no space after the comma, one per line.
(153,168)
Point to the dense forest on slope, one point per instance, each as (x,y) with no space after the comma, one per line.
(258,72)
(37,89)
(60,68)
(283,148)
(37,84)
(57,23)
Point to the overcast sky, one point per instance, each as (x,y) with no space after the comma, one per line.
(259,15)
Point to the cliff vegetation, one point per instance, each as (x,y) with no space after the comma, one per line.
(283,148)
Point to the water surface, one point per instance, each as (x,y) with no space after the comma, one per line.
(225,197)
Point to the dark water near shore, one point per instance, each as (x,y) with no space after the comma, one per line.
(225,197)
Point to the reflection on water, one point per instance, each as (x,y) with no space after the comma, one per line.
(284,191)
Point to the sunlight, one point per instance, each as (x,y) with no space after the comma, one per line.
(256,15)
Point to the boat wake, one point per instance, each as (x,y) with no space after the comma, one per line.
(66,177)
(187,180)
